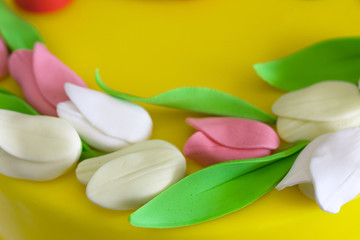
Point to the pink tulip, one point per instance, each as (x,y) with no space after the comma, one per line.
(3,58)
(222,139)
(42,77)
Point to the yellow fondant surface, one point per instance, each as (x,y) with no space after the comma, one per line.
(145,47)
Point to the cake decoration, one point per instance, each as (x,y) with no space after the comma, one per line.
(137,172)
(42,6)
(104,122)
(86,169)
(318,109)
(3,58)
(17,33)
(42,77)
(36,147)
(9,101)
(216,190)
(203,100)
(335,59)
(331,163)
(128,178)
(220,139)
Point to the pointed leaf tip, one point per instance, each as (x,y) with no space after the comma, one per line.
(215,191)
(197,99)
(334,59)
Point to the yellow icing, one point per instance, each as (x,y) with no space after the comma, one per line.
(146,47)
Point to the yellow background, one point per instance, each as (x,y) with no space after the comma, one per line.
(145,47)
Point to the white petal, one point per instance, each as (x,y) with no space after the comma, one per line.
(134,179)
(117,118)
(300,171)
(36,147)
(292,130)
(92,135)
(324,101)
(32,170)
(307,189)
(86,169)
(335,169)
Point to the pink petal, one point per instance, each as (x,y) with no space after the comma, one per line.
(3,58)
(20,67)
(51,75)
(237,132)
(207,152)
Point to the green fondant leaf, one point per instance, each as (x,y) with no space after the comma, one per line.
(336,59)
(11,102)
(87,152)
(17,33)
(203,100)
(216,190)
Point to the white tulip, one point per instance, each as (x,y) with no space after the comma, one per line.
(86,169)
(329,168)
(132,176)
(104,122)
(321,108)
(36,147)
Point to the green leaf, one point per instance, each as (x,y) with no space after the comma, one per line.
(216,190)
(17,33)
(9,101)
(336,59)
(197,99)
(87,152)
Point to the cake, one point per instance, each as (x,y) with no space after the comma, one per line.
(147,47)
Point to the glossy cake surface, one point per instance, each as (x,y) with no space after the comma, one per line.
(147,47)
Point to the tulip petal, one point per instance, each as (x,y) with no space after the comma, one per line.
(207,152)
(117,118)
(324,101)
(134,179)
(36,147)
(92,135)
(237,132)
(300,171)
(292,130)
(20,67)
(3,58)
(335,168)
(86,169)
(51,75)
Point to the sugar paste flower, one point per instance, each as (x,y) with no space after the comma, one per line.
(132,176)
(331,163)
(42,6)
(3,58)
(220,139)
(36,147)
(104,122)
(321,108)
(42,77)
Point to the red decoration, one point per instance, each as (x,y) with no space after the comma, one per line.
(41,6)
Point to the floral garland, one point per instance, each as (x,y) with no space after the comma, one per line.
(250,161)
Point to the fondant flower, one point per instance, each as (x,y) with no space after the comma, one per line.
(42,6)
(220,139)
(42,77)
(330,163)
(36,147)
(132,176)
(104,122)
(3,58)
(321,108)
